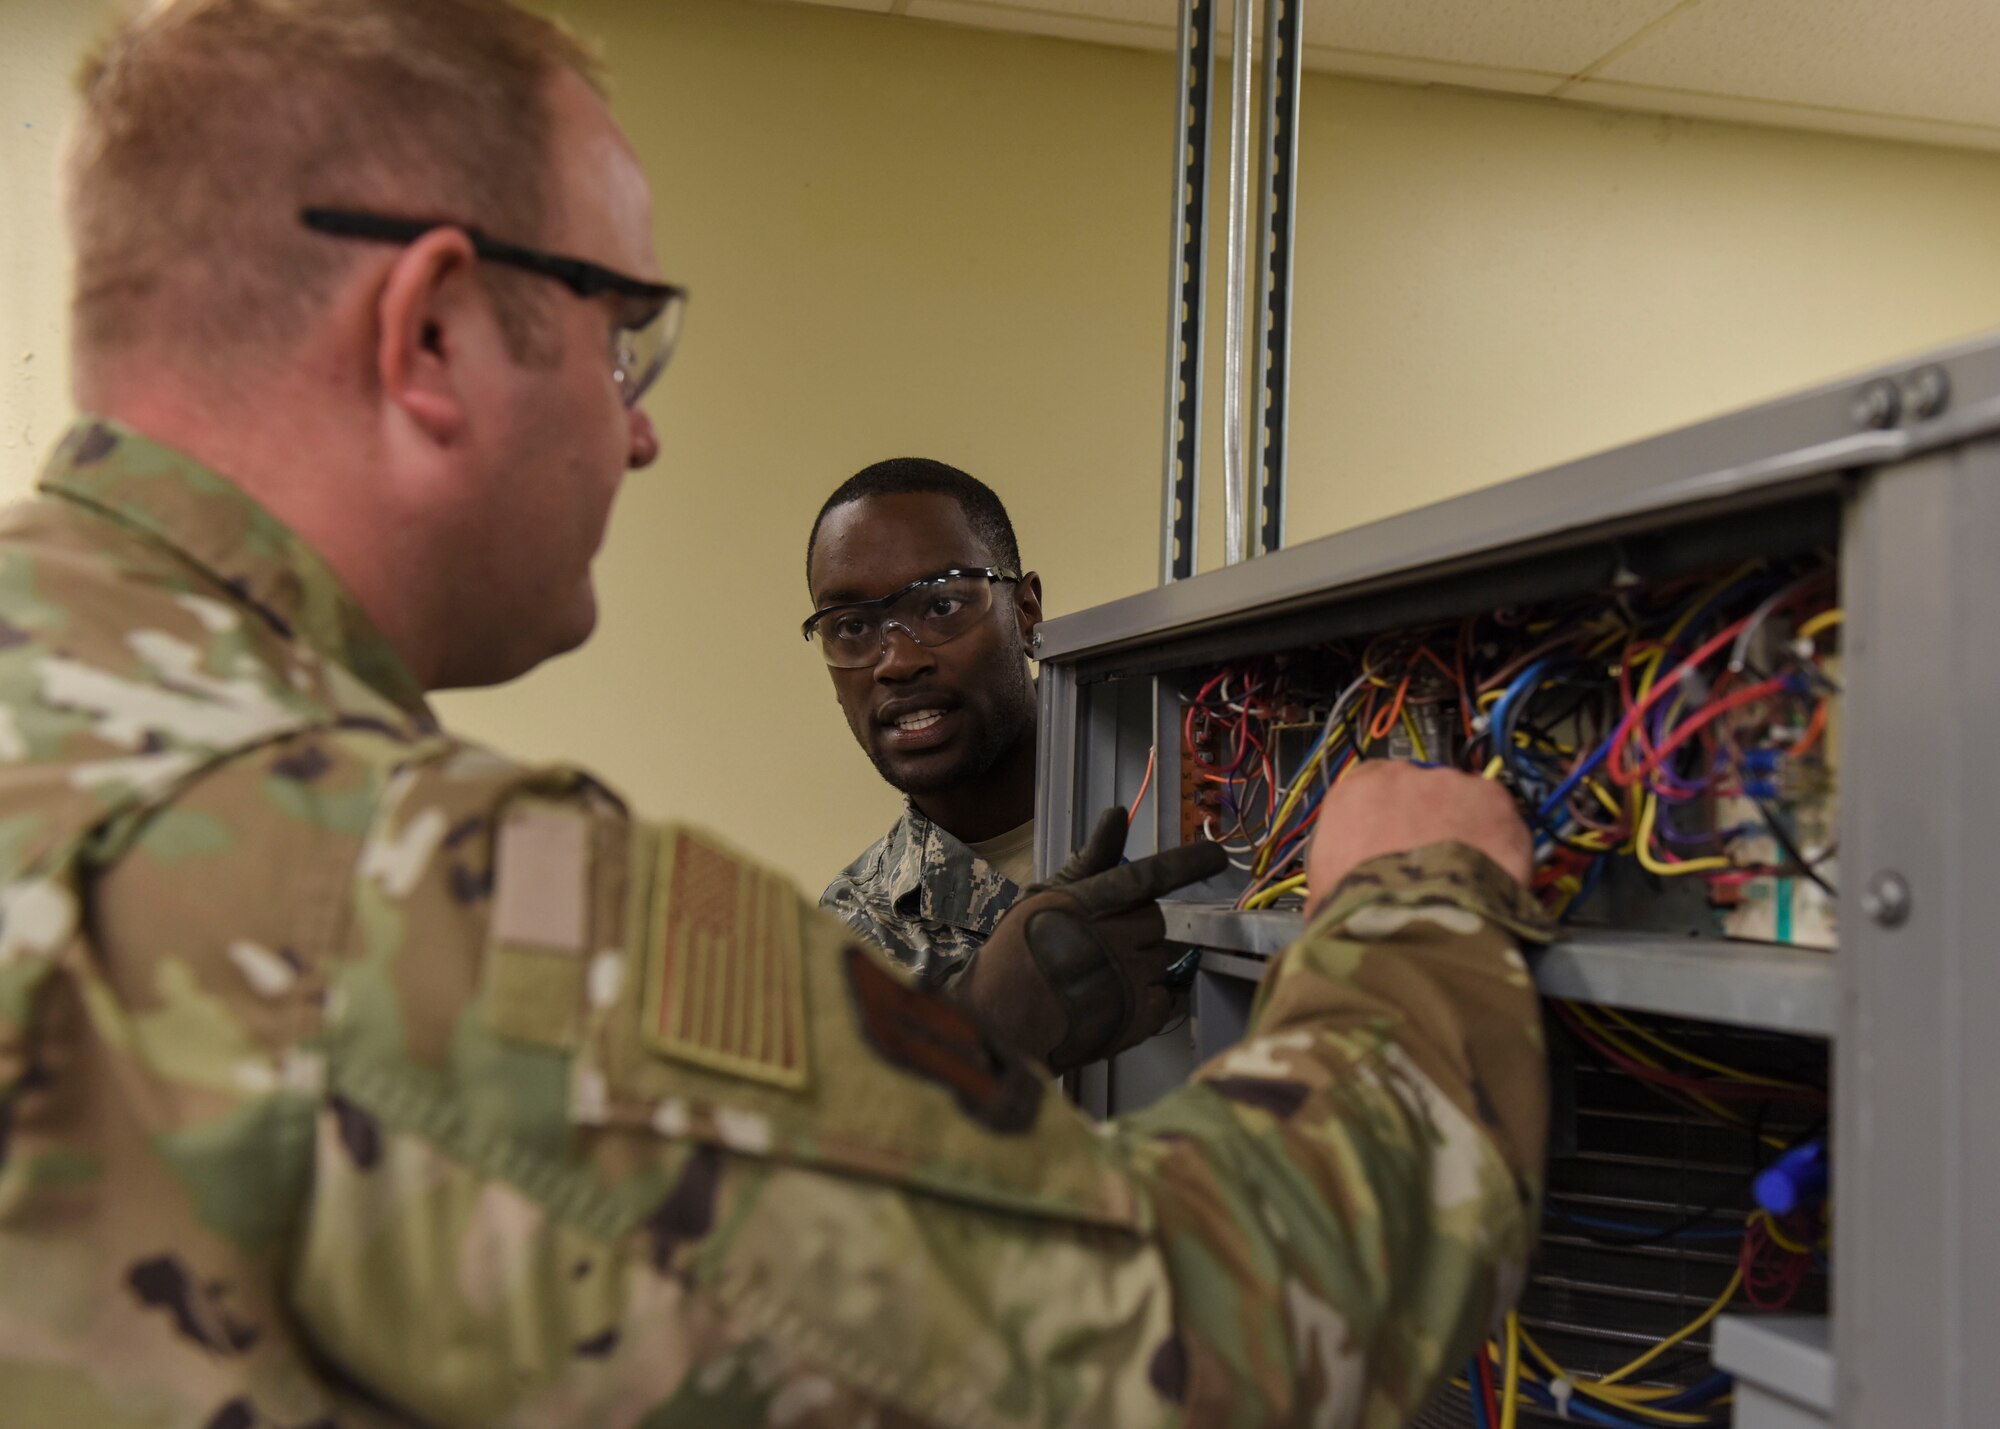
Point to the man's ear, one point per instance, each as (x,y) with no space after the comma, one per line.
(423,313)
(1028,608)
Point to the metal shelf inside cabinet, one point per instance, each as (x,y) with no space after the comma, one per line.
(1743,984)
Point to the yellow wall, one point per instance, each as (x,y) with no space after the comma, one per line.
(906,239)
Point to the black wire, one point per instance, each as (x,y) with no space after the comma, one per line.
(1776,824)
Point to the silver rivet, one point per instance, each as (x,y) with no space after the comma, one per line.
(1876,405)
(1886,900)
(1926,392)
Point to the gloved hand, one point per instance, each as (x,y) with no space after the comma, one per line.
(1076,970)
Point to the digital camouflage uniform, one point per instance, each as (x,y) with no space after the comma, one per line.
(355,1076)
(922,895)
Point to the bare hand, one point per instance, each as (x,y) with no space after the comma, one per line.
(1385,806)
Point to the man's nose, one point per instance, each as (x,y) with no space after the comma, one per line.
(645,442)
(902,658)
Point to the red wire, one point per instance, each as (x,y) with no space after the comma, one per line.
(1461,641)
(1484,1361)
(1661,688)
(1683,731)
(1714,1090)
(1769,1286)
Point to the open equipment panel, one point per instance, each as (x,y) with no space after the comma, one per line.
(1731,674)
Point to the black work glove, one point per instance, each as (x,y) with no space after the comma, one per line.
(1077,970)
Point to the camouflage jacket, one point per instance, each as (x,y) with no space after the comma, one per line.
(922,895)
(353,1076)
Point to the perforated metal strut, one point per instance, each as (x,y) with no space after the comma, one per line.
(1180,501)
(1283,25)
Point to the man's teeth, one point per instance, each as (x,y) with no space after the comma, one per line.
(919,719)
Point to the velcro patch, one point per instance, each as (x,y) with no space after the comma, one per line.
(724,977)
(931,1037)
(532,982)
(542,892)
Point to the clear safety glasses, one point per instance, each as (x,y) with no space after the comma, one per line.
(932,611)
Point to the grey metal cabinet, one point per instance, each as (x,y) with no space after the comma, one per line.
(1895,477)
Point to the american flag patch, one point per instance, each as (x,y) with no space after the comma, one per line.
(724,981)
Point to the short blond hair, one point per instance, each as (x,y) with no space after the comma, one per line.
(206,125)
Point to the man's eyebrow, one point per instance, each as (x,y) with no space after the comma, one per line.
(843,596)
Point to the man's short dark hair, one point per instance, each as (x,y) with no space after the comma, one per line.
(910,474)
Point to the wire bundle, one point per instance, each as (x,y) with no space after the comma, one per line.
(1773,1258)
(1620,723)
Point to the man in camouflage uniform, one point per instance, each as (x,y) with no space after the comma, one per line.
(351,1075)
(923,896)
(950,723)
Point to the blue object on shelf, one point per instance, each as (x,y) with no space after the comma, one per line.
(1796,1181)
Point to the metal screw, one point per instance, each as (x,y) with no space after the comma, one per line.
(1876,405)
(1038,640)
(1926,392)
(1886,900)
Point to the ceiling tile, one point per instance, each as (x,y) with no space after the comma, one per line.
(1615,95)
(1565,36)
(1927,59)
(1367,65)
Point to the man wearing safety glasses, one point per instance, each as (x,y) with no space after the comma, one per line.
(926,622)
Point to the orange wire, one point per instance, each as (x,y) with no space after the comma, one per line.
(1152,757)
(1386,721)
(1815,727)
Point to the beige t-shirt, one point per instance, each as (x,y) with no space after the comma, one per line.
(1013,853)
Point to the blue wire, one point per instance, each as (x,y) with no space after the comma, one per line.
(1586,1411)
(1591,879)
(1629,1227)
(1479,1419)
(1582,772)
(1501,722)
(1701,1394)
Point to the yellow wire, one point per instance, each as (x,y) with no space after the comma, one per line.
(1492,770)
(1657,657)
(1293,793)
(1416,740)
(1826,619)
(1613,638)
(1627,1398)
(1778,1237)
(1510,1382)
(1673,1050)
(1276,891)
(1603,797)
(1644,843)
(1692,1327)
(1713,1108)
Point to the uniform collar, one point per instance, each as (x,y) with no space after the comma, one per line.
(216,526)
(953,899)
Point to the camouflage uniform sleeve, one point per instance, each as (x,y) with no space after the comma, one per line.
(844,901)
(933,966)
(1347,1199)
